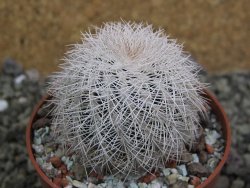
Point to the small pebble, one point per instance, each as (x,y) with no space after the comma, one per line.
(11,67)
(79,171)
(212,163)
(142,185)
(78,184)
(238,183)
(195,158)
(91,185)
(69,186)
(3,105)
(209,149)
(171,179)
(39,160)
(171,164)
(182,170)
(154,185)
(63,169)
(64,182)
(39,149)
(37,140)
(18,80)
(148,178)
(180,184)
(33,75)
(166,171)
(195,181)
(56,161)
(197,169)
(203,157)
(174,171)
(133,185)
(222,182)
(42,122)
(186,157)
(57,181)
(22,100)
(211,137)
(203,179)
(183,178)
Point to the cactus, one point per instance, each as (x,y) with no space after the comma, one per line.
(127,99)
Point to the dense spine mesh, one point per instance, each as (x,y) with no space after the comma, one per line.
(127,99)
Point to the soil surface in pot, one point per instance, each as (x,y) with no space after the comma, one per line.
(65,170)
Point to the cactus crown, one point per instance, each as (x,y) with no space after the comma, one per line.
(127,99)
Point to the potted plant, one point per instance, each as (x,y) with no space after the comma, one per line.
(128,106)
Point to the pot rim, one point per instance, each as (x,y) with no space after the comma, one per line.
(214,104)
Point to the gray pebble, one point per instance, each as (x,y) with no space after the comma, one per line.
(197,169)
(12,68)
(222,182)
(238,183)
(3,105)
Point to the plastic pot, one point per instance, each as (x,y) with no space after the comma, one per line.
(208,183)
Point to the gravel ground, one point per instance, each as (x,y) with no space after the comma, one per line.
(21,89)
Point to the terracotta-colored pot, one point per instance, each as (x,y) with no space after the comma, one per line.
(208,183)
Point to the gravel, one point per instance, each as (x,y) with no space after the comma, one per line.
(21,89)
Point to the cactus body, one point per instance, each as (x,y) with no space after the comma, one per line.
(127,99)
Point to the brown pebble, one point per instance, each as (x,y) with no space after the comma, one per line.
(209,149)
(149,177)
(56,161)
(171,164)
(59,175)
(63,169)
(199,145)
(197,169)
(195,181)
(186,157)
(58,182)
(64,182)
(203,157)
(42,122)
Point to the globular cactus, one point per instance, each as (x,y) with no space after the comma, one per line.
(127,99)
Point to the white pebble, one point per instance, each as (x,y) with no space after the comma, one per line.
(166,171)
(183,178)
(91,185)
(154,185)
(142,185)
(3,105)
(79,184)
(120,185)
(37,141)
(39,160)
(173,171)
(69,179)
(22,100)
(182,170)
(68,186)
(38,148)
(133,185)
(18,80)
(212,137)
(195,158)
(203,179)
